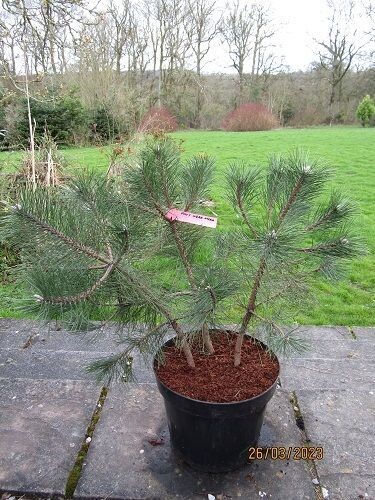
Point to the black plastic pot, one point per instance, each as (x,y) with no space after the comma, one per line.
(213,437)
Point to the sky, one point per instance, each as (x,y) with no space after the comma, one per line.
(298,23)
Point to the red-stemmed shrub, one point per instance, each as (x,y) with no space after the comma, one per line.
(158,119)
(249,117)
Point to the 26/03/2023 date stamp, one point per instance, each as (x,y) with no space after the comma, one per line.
(287,453)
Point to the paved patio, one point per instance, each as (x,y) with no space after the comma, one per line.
(326,399)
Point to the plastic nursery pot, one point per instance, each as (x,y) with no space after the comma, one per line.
(214,437)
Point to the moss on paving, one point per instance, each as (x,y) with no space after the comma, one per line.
(76,471)
(306,443)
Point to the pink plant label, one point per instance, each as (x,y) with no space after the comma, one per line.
(198,219)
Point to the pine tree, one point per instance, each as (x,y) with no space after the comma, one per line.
(85,248)
(288,237)
(159,181)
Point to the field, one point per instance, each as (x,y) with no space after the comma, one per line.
(350,151)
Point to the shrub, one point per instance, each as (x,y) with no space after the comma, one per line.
(287,113)
(9,258)
(249,117)
(6,101)
(62,116)
(104,125)
(366,110)
(158,120)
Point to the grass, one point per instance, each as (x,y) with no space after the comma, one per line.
(349,150)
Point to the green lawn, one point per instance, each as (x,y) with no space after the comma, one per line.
(350,150)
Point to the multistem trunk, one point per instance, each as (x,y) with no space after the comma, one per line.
(207,339)
(189,272)
(184,344)
(250,308)
(184,257)
(166,313)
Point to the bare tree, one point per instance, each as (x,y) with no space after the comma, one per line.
(119,15)
(248,32)
(94,48)
(156,14)
(10,33)
(48,28)
(237,29)
(177,43)
(168,40)
(370,13)
(338,52)
(201,27)
(263,59)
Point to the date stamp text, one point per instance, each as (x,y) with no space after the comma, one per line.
(287,453)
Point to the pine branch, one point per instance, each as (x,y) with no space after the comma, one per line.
(160,169)
(281,342)
(165,187)
(196,180)
(145,292)
(244,216)
(79,247)
(340,247)
(334,212)
(305,184)
(270,322)
(292,183)
(213,296)
(241,186)
(67,300)
(292,198)
(120,366)
(191,279)
(153,197)
(113,368)
(277,295)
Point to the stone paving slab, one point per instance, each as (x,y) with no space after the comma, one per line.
(338,349)
(34,363)
(349,486)
(135,414)
(342,422)
(364,333)
(57,354)
(49,372)
(30,364)
(324,333)
(16,333)
(315,374)
(42,426)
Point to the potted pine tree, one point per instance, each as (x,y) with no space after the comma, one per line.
(138,253)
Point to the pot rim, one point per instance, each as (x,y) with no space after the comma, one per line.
(227,403)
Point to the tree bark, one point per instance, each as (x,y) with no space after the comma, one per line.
(250,309)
